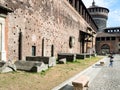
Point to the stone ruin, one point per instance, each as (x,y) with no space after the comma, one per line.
(35,63)
(39,63)
(50,61)
(31,64)
(7,66)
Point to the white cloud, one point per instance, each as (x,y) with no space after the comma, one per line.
(114,18)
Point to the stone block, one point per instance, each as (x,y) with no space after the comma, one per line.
(31,66)
(62,61)
(80,56)
(102,63)
(80,82)
(88,55)
(69,56)
(94,54)
(51,61)
(2,63)
(7,67)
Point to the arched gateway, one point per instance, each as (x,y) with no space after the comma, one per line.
(105,48)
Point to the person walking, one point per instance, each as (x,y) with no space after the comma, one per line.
(111,60)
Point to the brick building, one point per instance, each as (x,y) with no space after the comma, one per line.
(108,38)
(108,41)
(44,28)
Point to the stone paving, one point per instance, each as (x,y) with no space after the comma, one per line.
(92,71)
(101,77)
(108,78)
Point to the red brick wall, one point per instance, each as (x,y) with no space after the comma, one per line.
(54,20)
(113,44)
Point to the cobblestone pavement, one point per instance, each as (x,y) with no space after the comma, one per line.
(108,78)
(101,77)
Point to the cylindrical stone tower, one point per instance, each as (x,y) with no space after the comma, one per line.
(99,15)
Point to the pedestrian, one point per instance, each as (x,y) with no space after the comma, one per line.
(111,60)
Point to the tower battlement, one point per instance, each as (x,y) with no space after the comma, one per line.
(99,14)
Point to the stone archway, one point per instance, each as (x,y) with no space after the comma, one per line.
(105,48)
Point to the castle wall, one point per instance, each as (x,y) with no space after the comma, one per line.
(113,46)
(43,24)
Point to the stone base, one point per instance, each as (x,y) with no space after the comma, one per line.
(69,56)
(88,55)
(102,63)
(80,56)
(80,83)
(62,61)
(94,54)
(51,61)
(31,66)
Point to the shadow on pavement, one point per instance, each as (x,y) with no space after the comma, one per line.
(67,87)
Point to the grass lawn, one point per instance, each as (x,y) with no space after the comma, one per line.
(45,80)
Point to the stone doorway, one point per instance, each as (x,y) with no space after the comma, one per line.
(82,41)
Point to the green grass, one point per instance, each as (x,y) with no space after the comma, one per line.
(44,80)
(84,63)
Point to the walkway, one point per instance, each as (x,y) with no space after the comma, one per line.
(108,78)
(101,77)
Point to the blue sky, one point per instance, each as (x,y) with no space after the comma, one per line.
(113,6)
